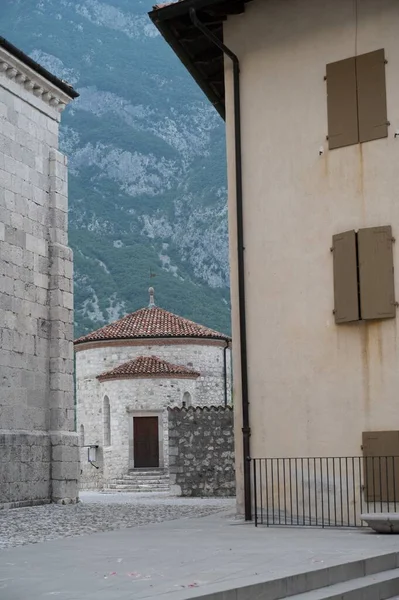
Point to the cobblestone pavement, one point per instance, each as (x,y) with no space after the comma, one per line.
(100,512)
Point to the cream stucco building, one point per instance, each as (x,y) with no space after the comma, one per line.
(314,97)
(128,374)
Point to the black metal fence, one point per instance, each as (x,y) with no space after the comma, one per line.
(323,492)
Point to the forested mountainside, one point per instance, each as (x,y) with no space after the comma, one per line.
(147,183)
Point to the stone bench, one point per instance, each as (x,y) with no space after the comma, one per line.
(382,522)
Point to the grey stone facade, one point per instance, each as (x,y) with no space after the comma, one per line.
(38,446)
(201,451)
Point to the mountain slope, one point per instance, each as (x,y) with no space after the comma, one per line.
(147,187)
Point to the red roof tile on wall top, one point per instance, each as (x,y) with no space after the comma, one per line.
(151,322)
(148,366)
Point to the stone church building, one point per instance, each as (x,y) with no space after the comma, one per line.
(127,375)
(38,445)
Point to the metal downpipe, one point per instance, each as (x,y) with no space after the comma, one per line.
(246,430)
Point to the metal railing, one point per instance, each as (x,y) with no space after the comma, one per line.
(323,491)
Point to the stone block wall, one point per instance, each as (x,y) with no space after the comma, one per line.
(36,296)
(205,356)
(25,460)
(201,451)
(127,398)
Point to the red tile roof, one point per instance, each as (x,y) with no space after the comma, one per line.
(145,366)
(152,322)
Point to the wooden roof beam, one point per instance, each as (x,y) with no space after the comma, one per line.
(206,18)
(227,8)
(208,56)
(191,35)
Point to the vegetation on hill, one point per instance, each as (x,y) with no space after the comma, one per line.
(147,187)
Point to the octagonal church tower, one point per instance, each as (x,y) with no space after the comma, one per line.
(127,375)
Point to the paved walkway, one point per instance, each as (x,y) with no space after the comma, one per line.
(175,559)
(99,512)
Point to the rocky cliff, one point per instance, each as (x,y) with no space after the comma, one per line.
(146,159)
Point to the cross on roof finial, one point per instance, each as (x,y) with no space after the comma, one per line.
(152,301)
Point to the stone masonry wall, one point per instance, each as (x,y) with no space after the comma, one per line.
(206,358)
(38,446)
(201,451)
(127,398)
(24,469)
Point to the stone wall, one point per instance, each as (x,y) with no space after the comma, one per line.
(201,451)
(206,357)
(127,398)
(24,469)
(36,300)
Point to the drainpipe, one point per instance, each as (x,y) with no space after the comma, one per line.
(74,392)
(246,430)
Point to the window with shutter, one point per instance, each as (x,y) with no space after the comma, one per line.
(346,301)
(381,465)
(371,94)
(364,286)
(342,104)
(356,100)
(376,276)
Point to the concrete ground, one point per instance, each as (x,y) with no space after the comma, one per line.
(175,560)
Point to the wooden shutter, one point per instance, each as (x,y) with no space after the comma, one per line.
(381,465)
(371,92)
(346,300)
(343,127)
(376,277)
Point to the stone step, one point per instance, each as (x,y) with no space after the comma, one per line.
(122,488)
(373,578)
(134,491)
(141,480)
(155,475)
(139,483)
(135,472)
(137,487)
(381,586)
(149,478)
(143,485)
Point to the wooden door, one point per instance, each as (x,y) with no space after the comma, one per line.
(381,466)
(145,442)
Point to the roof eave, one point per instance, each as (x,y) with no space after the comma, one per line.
(160,19)
(221,338)
(173,21)
(27,60)
(176,9)
(102,378)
